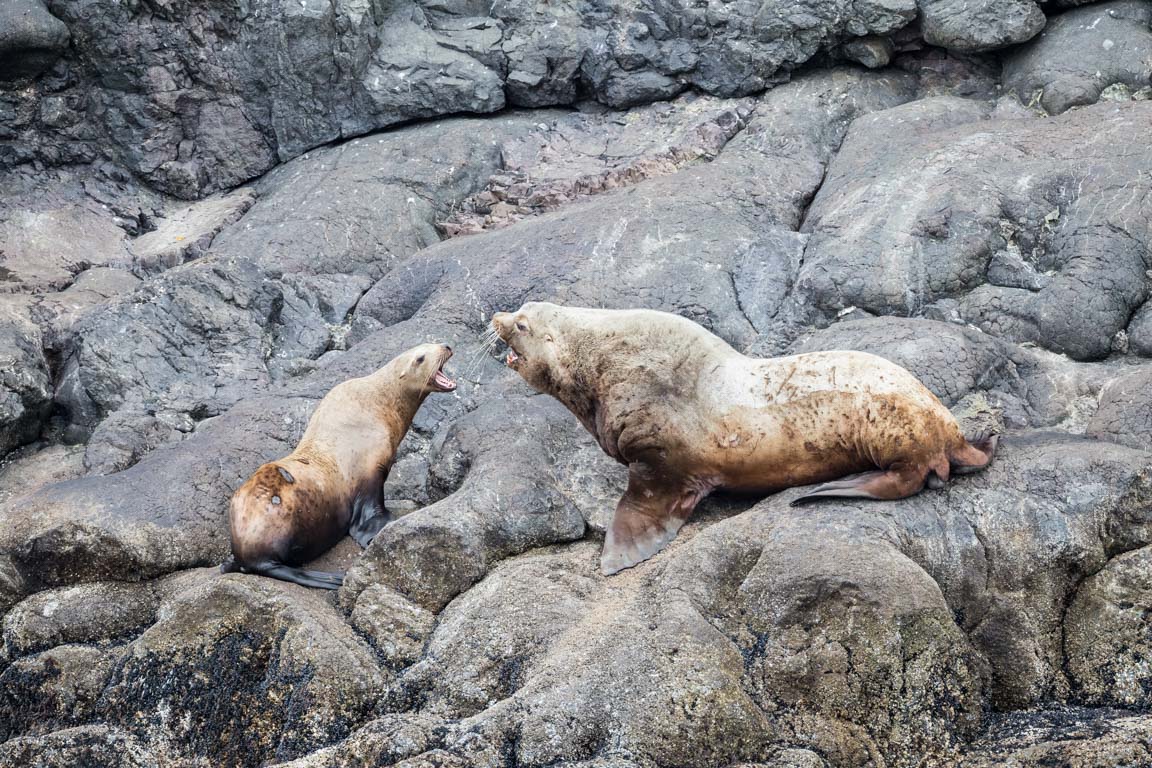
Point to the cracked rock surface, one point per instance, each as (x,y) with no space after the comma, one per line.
(194,250)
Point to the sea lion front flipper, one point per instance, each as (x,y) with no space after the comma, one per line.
(897,482)
(368,517)
(647,517)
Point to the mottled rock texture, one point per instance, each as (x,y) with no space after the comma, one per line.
(203,229)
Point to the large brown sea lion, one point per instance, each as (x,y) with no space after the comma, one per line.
(294,509)
(688,414)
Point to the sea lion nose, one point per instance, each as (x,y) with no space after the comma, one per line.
(500,320)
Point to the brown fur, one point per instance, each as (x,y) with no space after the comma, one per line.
(294,509)
(688,414)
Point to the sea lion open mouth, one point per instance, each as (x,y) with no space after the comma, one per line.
(512,358)
(440,381)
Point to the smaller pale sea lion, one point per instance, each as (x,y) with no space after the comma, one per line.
(294,509)
(688,414)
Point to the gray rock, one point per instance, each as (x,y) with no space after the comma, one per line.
(25,384)
(871,51)
(1074,737)
(1106,634)
(1125,411)
(148,94)
(972,27)
(1140,331)
(89,613)
(31,39)
(388,740)
(923,206)
(83,745)
(187,233)
(1082,52)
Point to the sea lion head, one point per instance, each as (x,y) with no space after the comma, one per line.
(539,337)
(422,369)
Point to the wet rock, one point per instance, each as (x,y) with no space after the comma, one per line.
(296,674)
(54,689)
(1082,52)
(973,27)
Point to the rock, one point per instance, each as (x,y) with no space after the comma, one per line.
(1066,736)
(1140,331)
(83,745)
(31,39)
(1082,52)
(25,382)
(1106,634)
(1033,263)
(187,233)
(397,627)
(974,27)
(33,467)
(192,340)
(385,741)
(872,51)
(89,613)
(1125,411)
(147,93)
(53,690)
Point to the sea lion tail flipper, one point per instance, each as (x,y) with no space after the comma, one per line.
(897,482)
(975,454)
(314,579)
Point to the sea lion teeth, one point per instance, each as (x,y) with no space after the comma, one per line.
(336,483)
(688,414)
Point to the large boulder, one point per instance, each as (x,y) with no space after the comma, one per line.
(1083,52)
(932,208)
(31,39)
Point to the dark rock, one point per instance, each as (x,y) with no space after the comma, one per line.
(1070,737)
(25,384)
(1083,52)
(31,39)
(973,27)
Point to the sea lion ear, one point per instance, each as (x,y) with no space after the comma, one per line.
(548,337)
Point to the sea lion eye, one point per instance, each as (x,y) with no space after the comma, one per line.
(521,327)
(420,360)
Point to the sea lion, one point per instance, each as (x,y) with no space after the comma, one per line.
(293,509)
(688,414)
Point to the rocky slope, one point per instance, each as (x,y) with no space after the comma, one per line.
(200,233)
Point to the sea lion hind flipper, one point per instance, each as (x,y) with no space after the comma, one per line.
(975,454)
(898,482)
(314,579)
(230,565)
